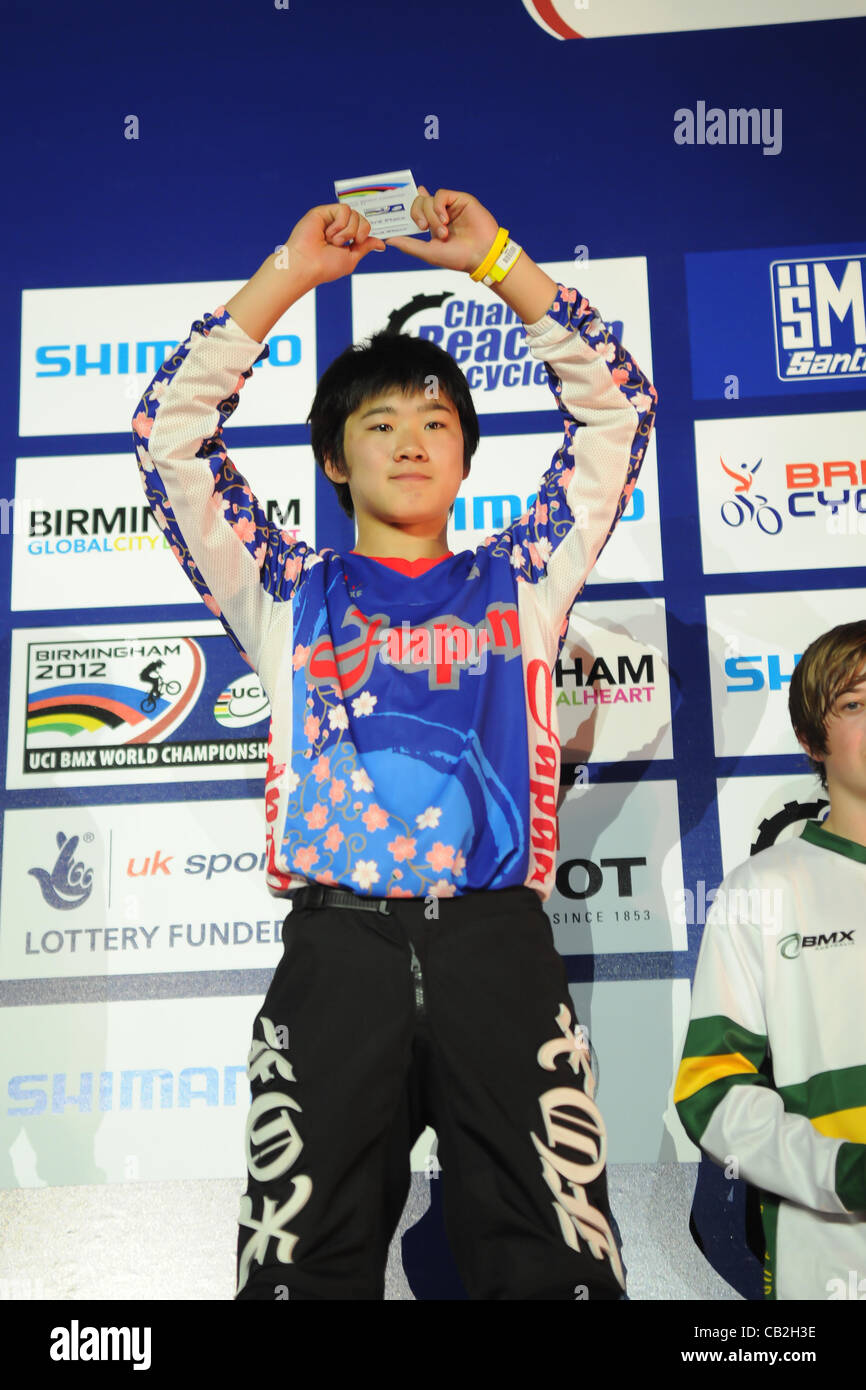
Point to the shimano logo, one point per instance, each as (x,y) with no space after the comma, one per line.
(121,359)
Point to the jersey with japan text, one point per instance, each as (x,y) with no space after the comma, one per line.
(413,746)
(773,1075)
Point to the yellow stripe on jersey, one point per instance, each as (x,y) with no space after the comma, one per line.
(844,1124)
(697,1072)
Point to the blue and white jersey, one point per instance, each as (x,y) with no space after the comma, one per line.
(413,747)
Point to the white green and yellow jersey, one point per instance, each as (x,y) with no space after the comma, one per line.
(773,1077)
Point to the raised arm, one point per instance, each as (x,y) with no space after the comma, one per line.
(239,562)
(607,406)
(607,403)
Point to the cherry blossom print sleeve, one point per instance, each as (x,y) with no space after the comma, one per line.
(241,565)
(608,409)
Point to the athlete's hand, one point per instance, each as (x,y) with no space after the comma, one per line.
(329,241)
(461,230)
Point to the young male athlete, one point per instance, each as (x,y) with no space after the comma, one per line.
(412,775)
(773,1075)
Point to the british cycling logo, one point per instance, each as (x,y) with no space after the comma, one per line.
(69,883)
(745,505)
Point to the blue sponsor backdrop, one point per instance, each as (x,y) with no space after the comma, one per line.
(246,115)
(783,321)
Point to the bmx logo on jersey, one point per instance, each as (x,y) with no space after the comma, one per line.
(819,318)
(772,489)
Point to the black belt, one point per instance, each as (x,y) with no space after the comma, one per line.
(317,895)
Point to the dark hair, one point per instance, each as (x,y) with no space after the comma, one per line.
(829,667)
(386,361)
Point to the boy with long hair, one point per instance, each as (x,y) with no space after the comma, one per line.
(412,775)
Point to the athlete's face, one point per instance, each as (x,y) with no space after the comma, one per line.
(845,759)
(404,458)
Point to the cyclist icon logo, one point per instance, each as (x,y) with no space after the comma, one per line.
(158,687)
(737,508)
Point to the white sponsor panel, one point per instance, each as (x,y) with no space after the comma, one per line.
(636,1030)
(88,354)
(757,812)
(133,1091)
(755,641)
(619,877)
(139,889)
(611,683)
(503,483)
(779,491)
(94,706)
(485,337)
(96,543)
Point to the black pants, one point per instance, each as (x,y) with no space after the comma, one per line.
(377,1025)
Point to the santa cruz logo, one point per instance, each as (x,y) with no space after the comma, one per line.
(791,946)
(442,647)
(69,882)
(742,506)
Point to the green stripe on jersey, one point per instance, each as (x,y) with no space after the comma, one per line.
(815,834)
(851,1176)
(826,1092)
(711,1037)
(696,1111)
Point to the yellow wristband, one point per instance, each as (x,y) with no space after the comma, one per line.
(503,264)
(492,255)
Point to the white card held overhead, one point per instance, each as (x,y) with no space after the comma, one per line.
(384,199)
